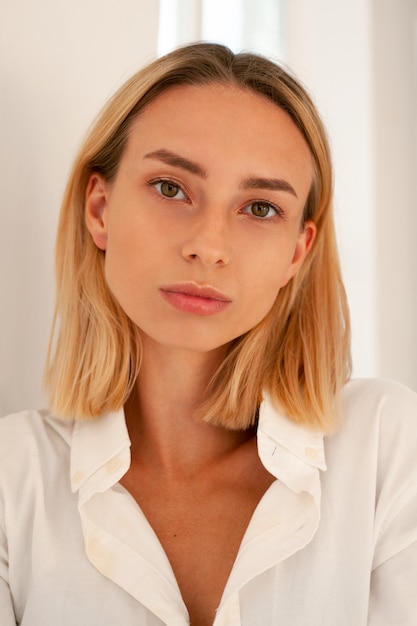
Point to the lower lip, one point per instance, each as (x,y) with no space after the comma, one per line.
(194,304)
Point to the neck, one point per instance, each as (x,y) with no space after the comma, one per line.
(160,413)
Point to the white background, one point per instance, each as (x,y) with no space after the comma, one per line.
(60,60)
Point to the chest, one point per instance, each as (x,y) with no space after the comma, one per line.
(200,527)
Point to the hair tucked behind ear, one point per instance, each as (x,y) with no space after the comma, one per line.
(299,353)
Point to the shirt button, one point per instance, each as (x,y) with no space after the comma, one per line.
(78,476)
(113,465)
(311,453)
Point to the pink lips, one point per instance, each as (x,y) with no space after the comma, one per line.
(193,298)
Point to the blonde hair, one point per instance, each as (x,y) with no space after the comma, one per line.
(299,353)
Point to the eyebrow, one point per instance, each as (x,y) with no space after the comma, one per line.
(273,184)
(170,158)
(252,182)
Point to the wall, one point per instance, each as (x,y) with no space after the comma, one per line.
(59,62)
(395,149)
(359,60)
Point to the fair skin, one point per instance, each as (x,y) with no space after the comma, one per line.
(201,228)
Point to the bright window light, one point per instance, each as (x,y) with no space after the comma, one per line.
(239,24)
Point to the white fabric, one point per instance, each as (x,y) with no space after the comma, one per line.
(324,547)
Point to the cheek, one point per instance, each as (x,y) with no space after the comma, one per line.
(268,265)
(122,264)
(265,278)
(260,296)
(118,281)
(264,295)
(134,263)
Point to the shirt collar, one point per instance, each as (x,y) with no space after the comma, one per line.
(304,442)
(292,452)
(100,450)
(286,449)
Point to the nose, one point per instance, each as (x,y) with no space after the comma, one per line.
(208,240)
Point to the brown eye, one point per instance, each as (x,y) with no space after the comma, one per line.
(262,209)
(168,189)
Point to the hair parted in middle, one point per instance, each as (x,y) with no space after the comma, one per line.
(299,353)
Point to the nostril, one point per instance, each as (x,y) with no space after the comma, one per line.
(206,247)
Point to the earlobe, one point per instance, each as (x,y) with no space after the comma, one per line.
(95,210)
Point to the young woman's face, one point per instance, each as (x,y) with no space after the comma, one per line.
(203,223)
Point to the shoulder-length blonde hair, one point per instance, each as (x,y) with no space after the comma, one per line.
(299,352)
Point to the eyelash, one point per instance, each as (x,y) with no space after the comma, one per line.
(160,181)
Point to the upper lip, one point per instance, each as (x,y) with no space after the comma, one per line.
(199,291)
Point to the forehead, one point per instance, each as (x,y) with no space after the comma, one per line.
(198,103)
(221,121)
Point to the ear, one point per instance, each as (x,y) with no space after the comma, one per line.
(95,210)
(303,246)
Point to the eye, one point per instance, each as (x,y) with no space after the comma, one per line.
(168,189)
(263,210)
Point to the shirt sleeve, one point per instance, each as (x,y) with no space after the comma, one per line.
(7,617)
(393,595)
(393,592)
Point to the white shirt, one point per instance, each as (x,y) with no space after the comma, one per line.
(325,547)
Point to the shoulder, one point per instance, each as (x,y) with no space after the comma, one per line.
(381,417)
(381,397)
(381,410)
(31,427)
(384,409)
(32,440)
(377,439)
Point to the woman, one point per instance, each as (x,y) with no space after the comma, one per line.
(205,459)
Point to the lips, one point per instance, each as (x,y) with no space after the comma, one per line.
(196,299)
